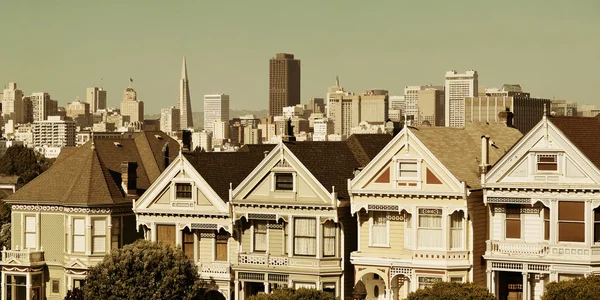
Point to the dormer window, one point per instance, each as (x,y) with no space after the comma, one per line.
(407,170)
(183,191)
(284,182)
(547,162)
(407,173)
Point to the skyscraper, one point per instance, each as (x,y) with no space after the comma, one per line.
(43,106)
(12,106)
(185,104)
(96,97)
(459,86)
(169,119)
(284,83)
(131,106)
(216,108)
(374,106)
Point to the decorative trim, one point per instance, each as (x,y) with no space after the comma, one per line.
(207,235)
(430,211)
(255,216)
(283,164)
(274,226)
(407,272)
(382,207)
(67,209)
(203,226)
(25,270)
(252,276)
(278,278)
(508,200)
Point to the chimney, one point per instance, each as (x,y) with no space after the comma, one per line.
(509,118)
(485,154)
(129,177)
(185,136)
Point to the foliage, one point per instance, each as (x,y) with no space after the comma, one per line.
(452,291)
(576,289)
(74,294)
(291,294)
(145,270)
(25,162)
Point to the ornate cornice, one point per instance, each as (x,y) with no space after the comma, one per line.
(68,209)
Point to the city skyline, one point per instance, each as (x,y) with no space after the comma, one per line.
(548,50)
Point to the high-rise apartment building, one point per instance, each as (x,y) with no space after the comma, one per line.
(216,108)
(322,128)
(410,101)
(527,112)
(563,108)
(458,86)
(185,103)
(12,104)
(397,103)
(96,97)
(284,83)
(221,130)
(202,139)
(169,119)
(374,106)
(54,132)
(43,106)
(430,106)
(131,107)
(346,110)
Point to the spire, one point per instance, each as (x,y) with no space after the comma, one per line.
(184,70)
(337,81)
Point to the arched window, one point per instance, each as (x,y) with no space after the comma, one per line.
(456,230)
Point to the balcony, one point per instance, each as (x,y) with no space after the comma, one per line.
(25,257)
(277,261)
(214,270)
(555,252)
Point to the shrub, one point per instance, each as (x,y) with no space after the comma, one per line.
(452,291)
(577,289)
(292,294)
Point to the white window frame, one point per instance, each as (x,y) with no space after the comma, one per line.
(537,161)
(403,182)
(254,238)
(461,230)
(95,235)
(118,235)
(33,233)
(74,235)
(315,238)
(174,198)
(335,227)
(441,228)
(387,226)
(274,181)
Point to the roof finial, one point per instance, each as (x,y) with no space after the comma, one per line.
(405,120)
(545,112)
(92,138)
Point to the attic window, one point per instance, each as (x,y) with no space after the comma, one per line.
(183,190)
(547,162)
(284,182)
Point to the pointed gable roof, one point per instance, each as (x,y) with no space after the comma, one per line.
(583,132)
(91,176)
(459,149)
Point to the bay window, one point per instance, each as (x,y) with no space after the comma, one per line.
(78,235)
(260,235)
(305,236)
(99,236)
(571,225)
(456,230)
(379,228)
(429,232)
(329,238)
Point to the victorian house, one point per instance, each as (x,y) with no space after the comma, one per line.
(543,206)
(419,208)
(292,217)
(68,218)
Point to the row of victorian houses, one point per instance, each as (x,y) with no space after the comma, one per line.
(479,204)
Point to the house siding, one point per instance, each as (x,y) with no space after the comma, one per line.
(16,221)
(478,216)
(53,230)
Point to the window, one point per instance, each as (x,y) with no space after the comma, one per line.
(513,221)
(456,230)
(546,223)
(16,287)
(305,236)
(547,162)
(165,234)
(379,229)
(571,225)
(260,235)
(407,170)
(597,225)
(78,283)
(456,279)
(285,237)
(55,286)
(221,247)
(188,243)
(376,291)
(115,233)
(329,238)
(183,190)
(428,281)
(78,235)
(429,234)
(284,182)
(99,236)
(30,232)
(408,231)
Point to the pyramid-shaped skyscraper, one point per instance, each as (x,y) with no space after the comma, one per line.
(185,104)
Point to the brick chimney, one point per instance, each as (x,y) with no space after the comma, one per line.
(129,177)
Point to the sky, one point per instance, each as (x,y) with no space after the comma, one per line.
(550,47)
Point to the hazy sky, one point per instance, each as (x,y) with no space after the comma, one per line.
(550,47)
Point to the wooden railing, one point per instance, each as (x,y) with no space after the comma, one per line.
(25,256)
(286,261)
(572,252)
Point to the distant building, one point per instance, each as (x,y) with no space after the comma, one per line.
(185,103)
(24,133)
(322,128)
(316,105)
(43,106)
(54,132)
(170,119)
(216,108)
(336,92)
(12,105)
(202,139)
(345,112)
(458,86)
(131,107)
(366,128)
(431,106)
(252,135)
(374,106)
(526,111)
(563,108)
(221,130)
(284,82)
(79,112)
(96,98)
(507,90)
(293,111)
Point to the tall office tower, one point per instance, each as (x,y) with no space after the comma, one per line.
(563,108)
(337,89)
(527,112)
(185,103)
(169,119)
(316,105)
(27,110)
(202,139)
(43,106)
(284,83)
(221,130)
(374,106)
(131,107)
(12,105)
(397,103)
(346,113)
(430,106)
(96,97)
(216,108)
(411,98)
(458,86)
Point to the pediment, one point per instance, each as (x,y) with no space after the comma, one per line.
(76,264)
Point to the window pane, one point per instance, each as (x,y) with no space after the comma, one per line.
(99,244)
(260,235)
(571,232)
(571,211)
(305,234)
(221,248)
(329,238)
(184,190)
(78,226)
(99,227)
(188,244)
(30,224)
(597,232)
(166,234)
(547,167)
(79,243)
(513,229)
(284,182)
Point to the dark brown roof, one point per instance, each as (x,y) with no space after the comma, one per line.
(583,132)
(219,169)
(90,176)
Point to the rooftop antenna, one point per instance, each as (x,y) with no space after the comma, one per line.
(337,80)
(101,83)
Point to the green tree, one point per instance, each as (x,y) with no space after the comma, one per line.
(25,162)
(292,294)
(74,294)
(577,289)
(452,291)
(145,270)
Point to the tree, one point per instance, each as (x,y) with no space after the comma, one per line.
(292,294)
(74,294)
(24,162)
(145,270)
(576,289)
(452,291)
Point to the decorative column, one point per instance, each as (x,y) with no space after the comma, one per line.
(88,236)
(553,221)
(153,233)
(525,285)
(28,286)
(290,233)
(178,235)
(236,293)
(266,287)
(589,222)
(319,244)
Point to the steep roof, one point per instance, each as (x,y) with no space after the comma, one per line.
(91,176)
(459,149)
(583,132)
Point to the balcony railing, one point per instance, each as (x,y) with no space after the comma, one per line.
(214,268)
(25,256)
(543,250)
(268,260)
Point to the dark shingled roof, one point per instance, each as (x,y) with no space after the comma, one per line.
(92,177)
(583,132)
